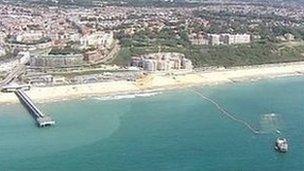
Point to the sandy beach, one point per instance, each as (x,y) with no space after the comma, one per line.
(160,81)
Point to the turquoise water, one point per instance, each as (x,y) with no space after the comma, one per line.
(174,130)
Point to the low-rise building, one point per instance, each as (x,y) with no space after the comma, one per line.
(33,48)
(59,80)
(39,80)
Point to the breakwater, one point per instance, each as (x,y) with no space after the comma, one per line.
(226,112)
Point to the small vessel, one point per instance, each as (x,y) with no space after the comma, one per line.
(281,145)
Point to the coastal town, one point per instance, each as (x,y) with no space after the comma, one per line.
(168,85)
(55,45)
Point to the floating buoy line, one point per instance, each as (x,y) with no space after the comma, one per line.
(226,113)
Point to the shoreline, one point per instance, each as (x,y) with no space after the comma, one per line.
(157,82)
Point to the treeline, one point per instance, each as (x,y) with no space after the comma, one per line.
(268,26)
(94,3)
(168,40)
(223,55)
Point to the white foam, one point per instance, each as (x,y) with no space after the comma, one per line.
(126,96)
(148,94)
(270,123)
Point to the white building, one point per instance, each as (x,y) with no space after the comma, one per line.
(29,36)
(198,39)
(74,36)
(2,51)
(219,39)
(186,64)
(24,57)
(165,61)
(289,37)
(97,39)
(241,39)
(231,39)
(108,39)
(2,37)
(149,65)
(214,39)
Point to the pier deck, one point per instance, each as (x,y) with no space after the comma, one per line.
(41,119)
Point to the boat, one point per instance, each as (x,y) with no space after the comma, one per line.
(281,145)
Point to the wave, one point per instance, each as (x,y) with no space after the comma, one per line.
(126,96)
(148,94)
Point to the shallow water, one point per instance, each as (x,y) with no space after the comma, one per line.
(174,130)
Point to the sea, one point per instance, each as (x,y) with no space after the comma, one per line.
(169,130)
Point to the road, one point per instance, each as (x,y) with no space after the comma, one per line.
(16,72)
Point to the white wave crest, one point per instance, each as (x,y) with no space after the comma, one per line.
(126,96)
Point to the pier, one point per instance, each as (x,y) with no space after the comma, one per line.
(14,87)
(41,119)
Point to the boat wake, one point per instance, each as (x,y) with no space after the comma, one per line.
(270,123)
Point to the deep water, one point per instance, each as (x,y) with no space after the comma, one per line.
(174,130)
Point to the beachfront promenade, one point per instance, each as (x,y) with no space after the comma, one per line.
(41,119)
